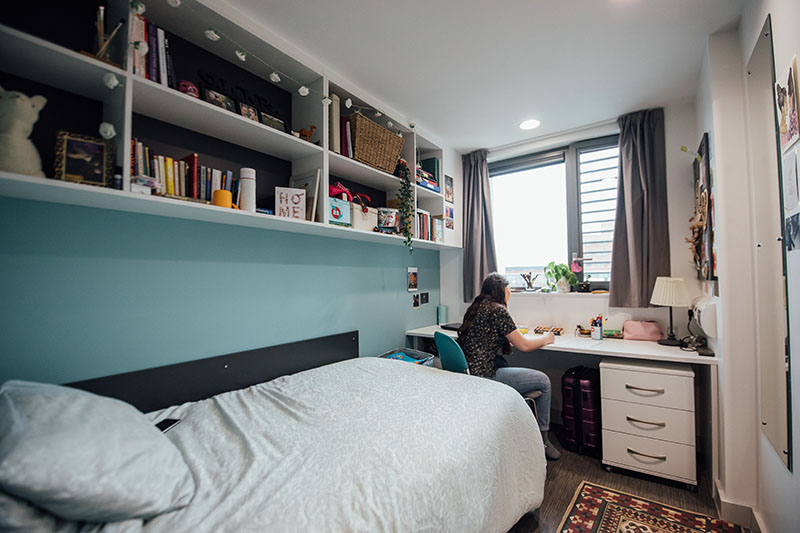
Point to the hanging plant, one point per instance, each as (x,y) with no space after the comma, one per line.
(406,202)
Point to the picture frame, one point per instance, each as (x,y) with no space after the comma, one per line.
(448,189)
(449,223)
(83,159)
(220,100)
(273,122)
(703,222)
(310,183)
(248,112)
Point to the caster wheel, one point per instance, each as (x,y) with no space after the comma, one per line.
(609,469)
(691,488)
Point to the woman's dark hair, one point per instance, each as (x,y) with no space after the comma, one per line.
(492,290)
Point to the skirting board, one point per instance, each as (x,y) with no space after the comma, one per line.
(742,515)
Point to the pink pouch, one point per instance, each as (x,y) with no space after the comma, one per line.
(638,330)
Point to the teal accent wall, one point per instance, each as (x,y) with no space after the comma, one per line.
(88,292)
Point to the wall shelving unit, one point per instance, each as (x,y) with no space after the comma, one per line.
(44,62)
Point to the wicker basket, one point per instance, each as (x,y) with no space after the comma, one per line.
(374,145)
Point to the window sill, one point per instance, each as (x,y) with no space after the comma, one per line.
(527,294)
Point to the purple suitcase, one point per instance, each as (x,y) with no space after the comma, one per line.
(570,410)
(589,399)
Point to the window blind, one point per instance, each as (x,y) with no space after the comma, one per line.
(597,177)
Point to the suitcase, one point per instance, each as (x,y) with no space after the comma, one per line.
(591,427)
(580,410)
(570,388)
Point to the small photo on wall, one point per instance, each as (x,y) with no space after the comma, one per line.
(415,301)
(448,217)
(793,233)
(786,102)
(248,111)
(448,189)
(273,122)
(412,279)
(220,100)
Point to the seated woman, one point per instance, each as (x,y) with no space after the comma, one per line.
(487,327)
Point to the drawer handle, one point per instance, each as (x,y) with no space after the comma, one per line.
(645,389)
(659,424)
(657,457)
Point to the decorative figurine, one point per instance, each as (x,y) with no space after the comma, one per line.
(306,134)
(189,88)
(18,114)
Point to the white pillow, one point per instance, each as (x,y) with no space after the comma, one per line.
(87,457)
(20,516)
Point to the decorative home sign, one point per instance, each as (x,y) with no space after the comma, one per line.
(82,159)
(290,202)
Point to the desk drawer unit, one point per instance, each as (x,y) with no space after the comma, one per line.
(648,418)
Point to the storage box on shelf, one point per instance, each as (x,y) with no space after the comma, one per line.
(188,117)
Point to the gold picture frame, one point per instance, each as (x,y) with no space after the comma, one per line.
(83,159)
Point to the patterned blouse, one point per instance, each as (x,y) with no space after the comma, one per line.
(485,338)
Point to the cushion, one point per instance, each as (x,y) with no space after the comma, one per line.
(20,516)
(87,457)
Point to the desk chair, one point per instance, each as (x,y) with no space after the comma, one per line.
(452,358)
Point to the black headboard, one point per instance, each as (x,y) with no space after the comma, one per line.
(156,388)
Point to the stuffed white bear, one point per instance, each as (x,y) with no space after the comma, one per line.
(18,114)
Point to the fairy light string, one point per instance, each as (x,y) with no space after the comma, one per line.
(275,75)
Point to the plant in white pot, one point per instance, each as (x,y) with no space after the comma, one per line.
(560,277)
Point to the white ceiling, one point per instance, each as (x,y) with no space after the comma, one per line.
(469,71)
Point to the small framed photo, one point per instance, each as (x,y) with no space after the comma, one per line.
(83,159)
(220,100)
(273,122)
(248,111)
(415,301)
(448,189)
(412,279)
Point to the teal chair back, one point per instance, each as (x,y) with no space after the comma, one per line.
(450,353)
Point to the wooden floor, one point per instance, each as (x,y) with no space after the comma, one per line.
(566,474)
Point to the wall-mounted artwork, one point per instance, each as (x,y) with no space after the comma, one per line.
(786,102)
(448,217)
(448,189)
(793,233)
(412,279)
(702,222)
(789,179)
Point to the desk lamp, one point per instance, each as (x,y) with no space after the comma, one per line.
(670,292)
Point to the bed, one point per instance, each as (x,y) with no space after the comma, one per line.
(362,444)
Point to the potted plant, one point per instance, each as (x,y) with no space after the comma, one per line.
(560,277)
(406,205)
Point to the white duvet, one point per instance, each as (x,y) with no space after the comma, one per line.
(366,444)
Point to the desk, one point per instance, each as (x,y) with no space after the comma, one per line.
(642,350)
(639,350)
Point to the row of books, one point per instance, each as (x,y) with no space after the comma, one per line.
(156,64)
(347,138)
(429,228)
(425,179)
(181,177)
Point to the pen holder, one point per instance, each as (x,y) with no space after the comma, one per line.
(597,333)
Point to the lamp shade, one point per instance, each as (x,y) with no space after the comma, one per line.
(671,292)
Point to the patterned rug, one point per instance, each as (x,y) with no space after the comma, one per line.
(597,509)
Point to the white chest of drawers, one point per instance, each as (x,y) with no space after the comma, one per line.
(648,418)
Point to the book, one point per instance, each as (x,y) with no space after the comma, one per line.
(181,177)
(162,173)
(202,183)
(191,182)
(170,67)
(138,34)
(133,157)
(336,134)
(139,159)
(152,54)
(431,165)
(147,161)
(162,64)
(228,180)
(216,181)
(349,140)
(428,185)
(176,168)
(343,136)
(170,177)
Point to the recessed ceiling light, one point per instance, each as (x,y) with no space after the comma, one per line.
(529,124)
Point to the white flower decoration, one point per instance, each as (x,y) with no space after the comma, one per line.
(107,131)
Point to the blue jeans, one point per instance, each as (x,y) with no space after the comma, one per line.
(525,380)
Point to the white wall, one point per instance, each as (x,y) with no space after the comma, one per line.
(778,506)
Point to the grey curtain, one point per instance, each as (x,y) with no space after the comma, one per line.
(640,251)
(479,252)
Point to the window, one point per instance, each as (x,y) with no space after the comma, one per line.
(556,205)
